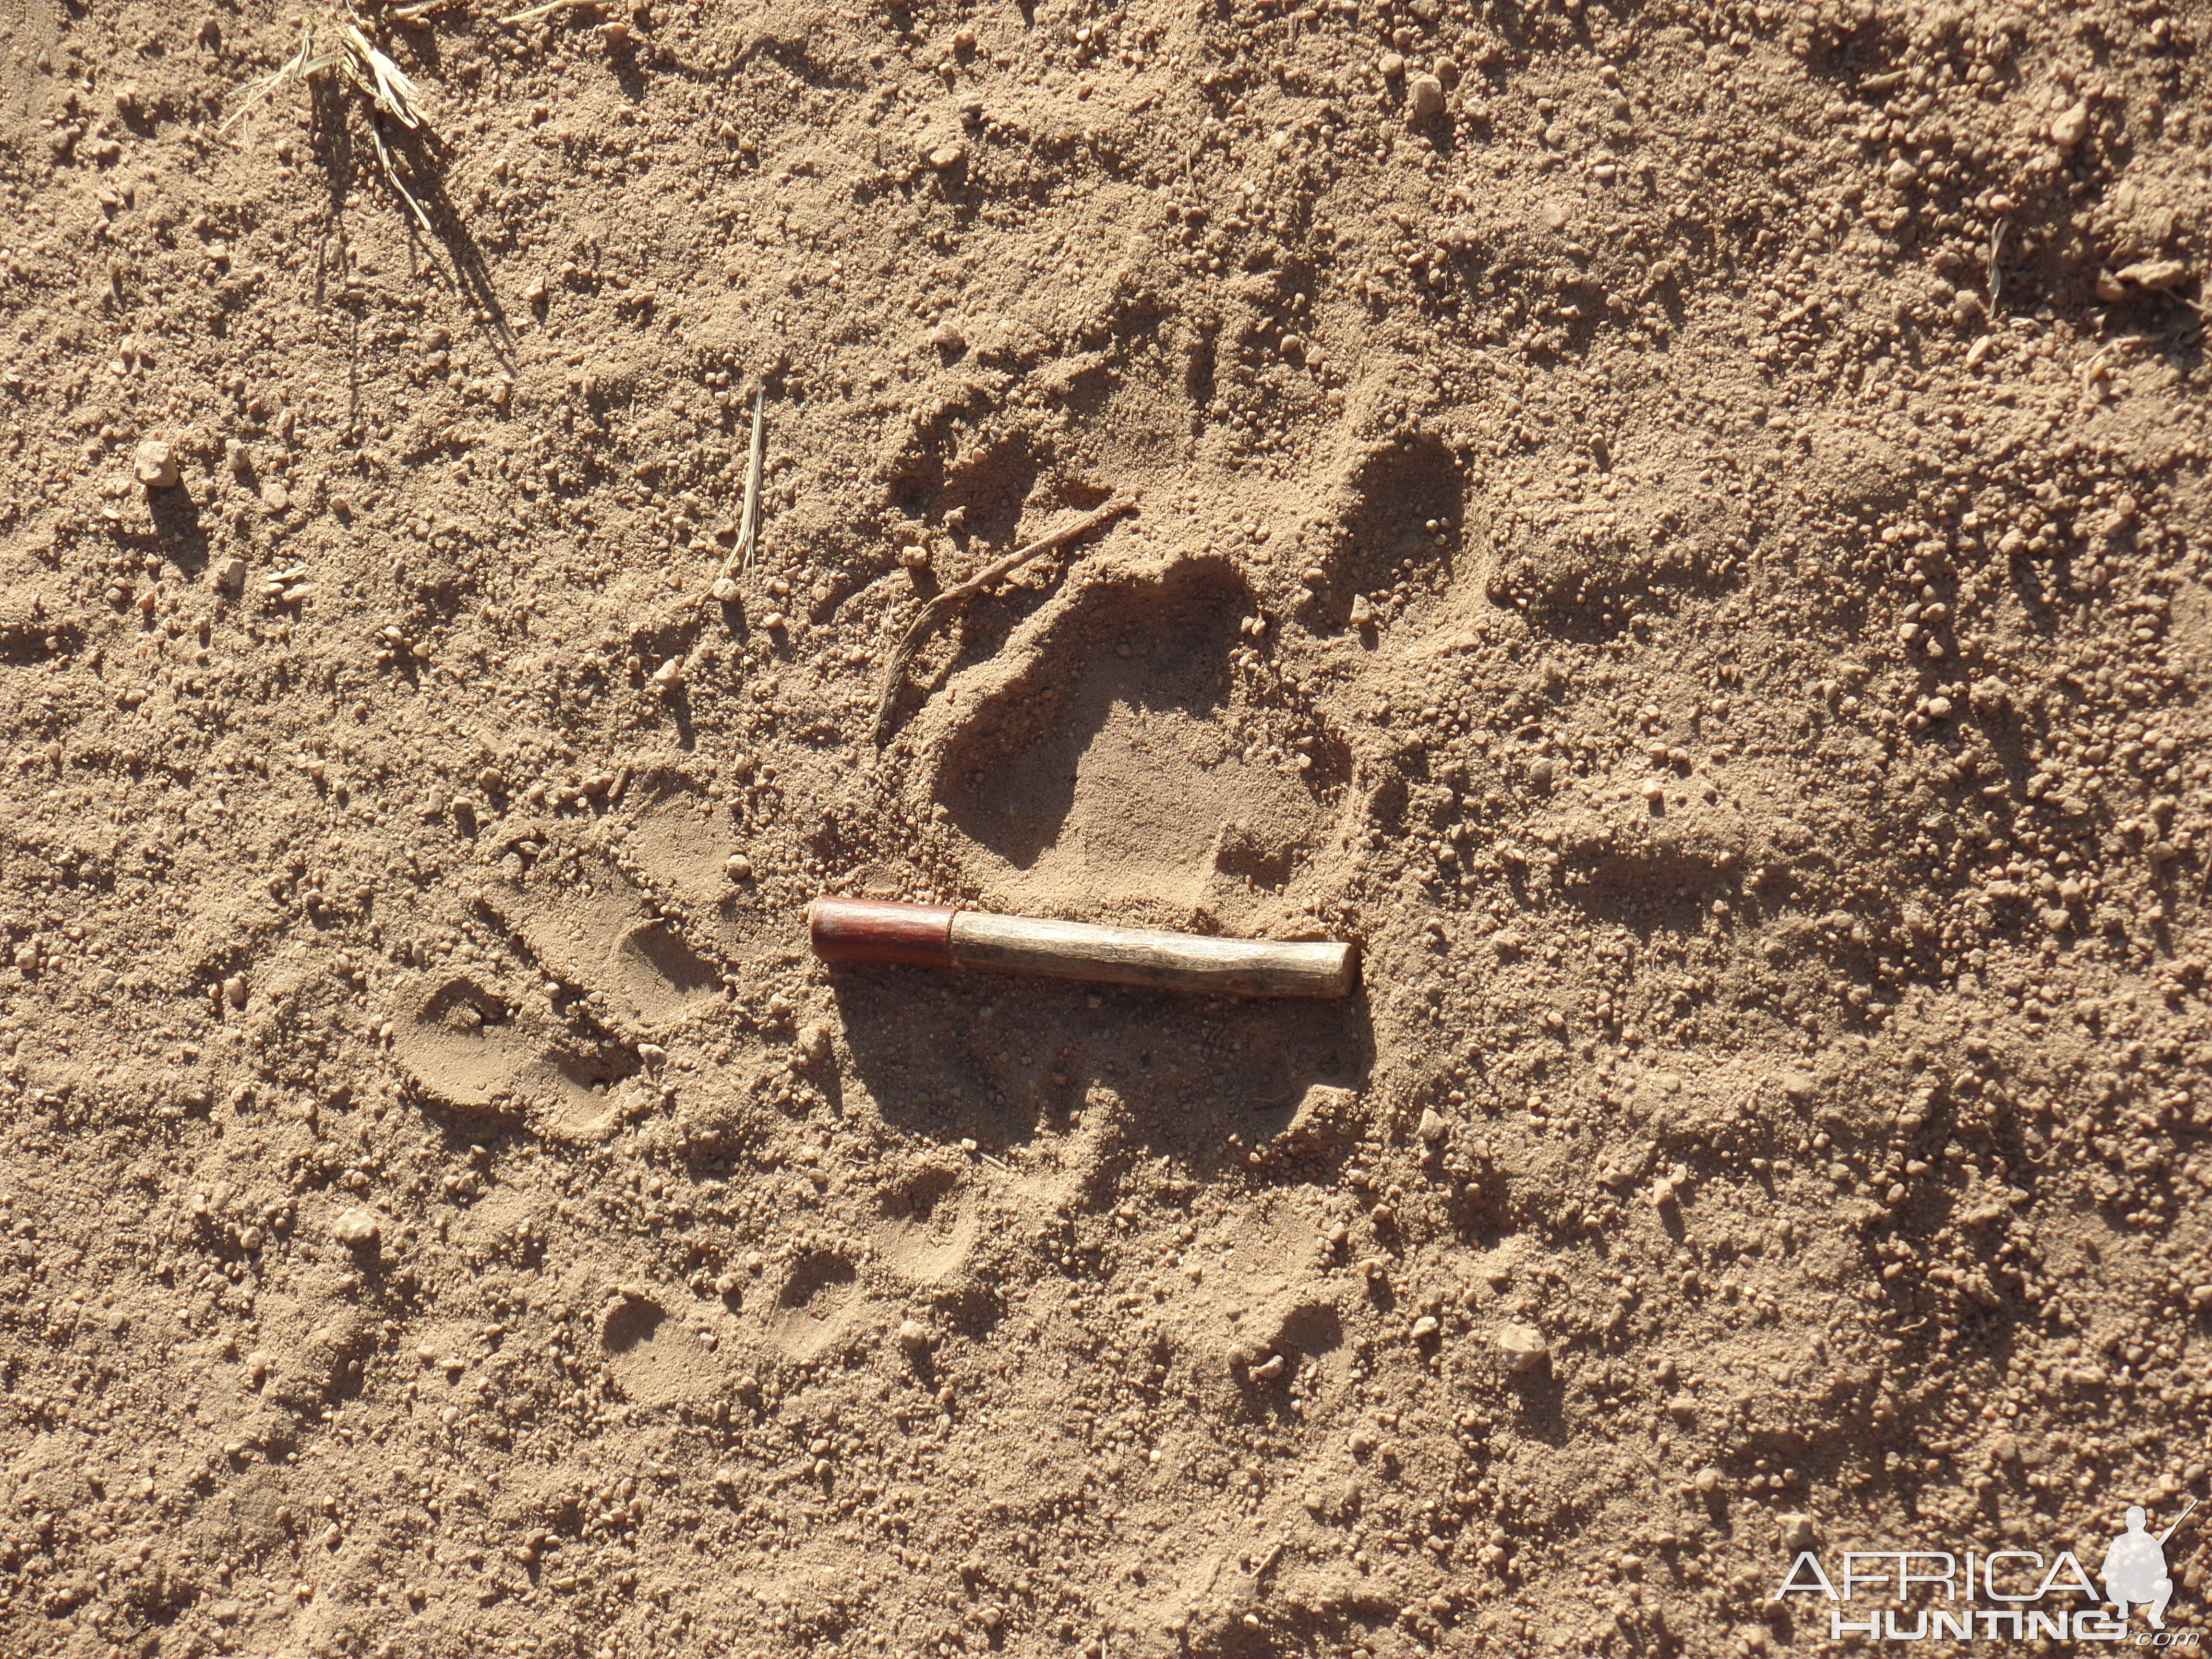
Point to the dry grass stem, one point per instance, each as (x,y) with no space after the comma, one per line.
(535,13)
(359,63)
(725,590)
(749,520)
(953,597)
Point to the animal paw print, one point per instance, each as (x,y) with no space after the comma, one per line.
(1397,538)
(491,1039)
(466,1046)
(1128,750)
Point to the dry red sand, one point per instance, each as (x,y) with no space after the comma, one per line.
(1679,529)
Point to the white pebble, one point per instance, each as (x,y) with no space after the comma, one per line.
(1523,1346)
(157,466)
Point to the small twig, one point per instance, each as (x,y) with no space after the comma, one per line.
(1996,251)
(953,597)
(725,590)
(749,520)
(551,6)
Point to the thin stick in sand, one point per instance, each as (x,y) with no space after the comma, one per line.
(941,936)
(724,591)
(953,597)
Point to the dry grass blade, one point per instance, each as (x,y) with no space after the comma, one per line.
(725,590)
(381,78)
(749,522)
(362,65)
(953,597)
(392,177)
(552,6)
(292,72)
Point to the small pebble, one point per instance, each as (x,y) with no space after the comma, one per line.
(157,466)
(1426,97)
(2071,126)
(2154,275)
(1390,66)
(355,1228)
(1523,1346)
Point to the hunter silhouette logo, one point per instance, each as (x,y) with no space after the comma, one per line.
(2135,1568)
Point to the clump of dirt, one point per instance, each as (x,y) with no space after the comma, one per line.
(1676,529)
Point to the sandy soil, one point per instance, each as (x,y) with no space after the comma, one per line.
(1679,529)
